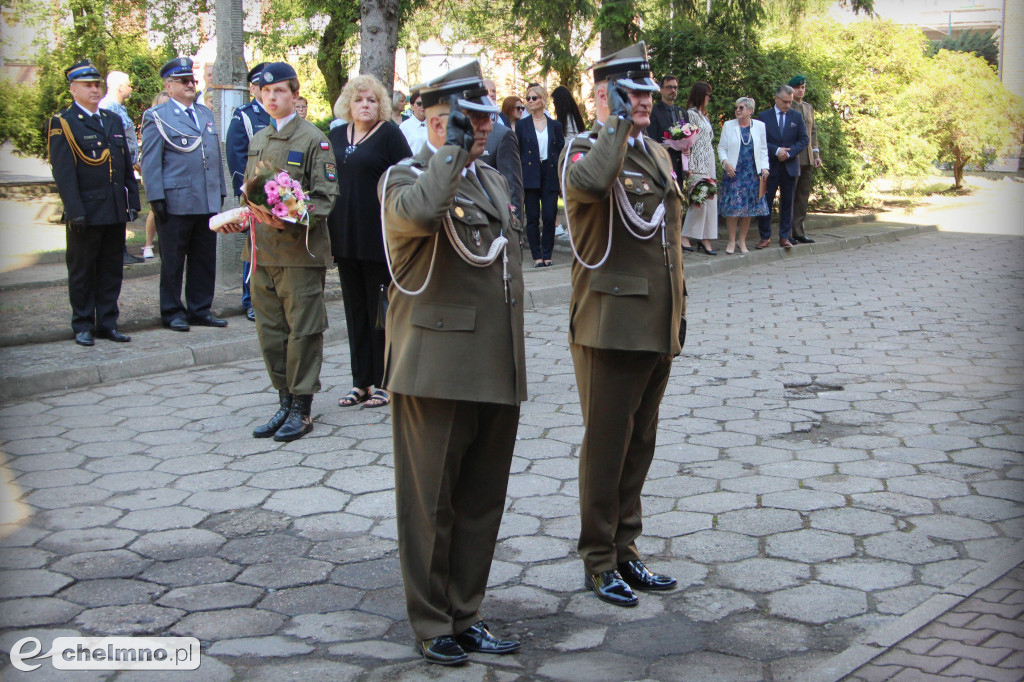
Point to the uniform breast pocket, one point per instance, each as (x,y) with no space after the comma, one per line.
(440,317)
(619,284)
(636,184)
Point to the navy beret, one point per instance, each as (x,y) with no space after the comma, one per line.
(275,72)
(254,72)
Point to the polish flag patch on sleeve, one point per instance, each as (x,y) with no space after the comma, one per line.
(325,145)
(577,156)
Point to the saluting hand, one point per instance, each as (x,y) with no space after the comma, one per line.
(618,102)
(459,131)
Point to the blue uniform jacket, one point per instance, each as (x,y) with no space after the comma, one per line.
(192,183)
(236,140)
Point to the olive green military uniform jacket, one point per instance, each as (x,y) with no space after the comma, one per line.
(808,153)
(304,152)
(460,339)
(636,300)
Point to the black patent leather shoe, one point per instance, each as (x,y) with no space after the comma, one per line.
(639,577)
(610,587)
(84,338)
(442,650)
(177,325)
(479,639)
(209,321)
(113,335)
(803,240)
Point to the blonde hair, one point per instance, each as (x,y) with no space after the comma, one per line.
(747,102)
(539,89)
(361,83)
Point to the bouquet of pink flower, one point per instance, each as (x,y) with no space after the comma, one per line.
(702,190)
(681,137)
(272,190)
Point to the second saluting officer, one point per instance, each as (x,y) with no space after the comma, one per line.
(455,364)
(623,216)
(288,276)
(92,166)
(246,121)
(181,167)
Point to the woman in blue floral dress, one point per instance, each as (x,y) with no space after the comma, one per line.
(743,151)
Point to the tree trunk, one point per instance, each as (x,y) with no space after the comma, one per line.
(378,39)
(616,19)
(330,62)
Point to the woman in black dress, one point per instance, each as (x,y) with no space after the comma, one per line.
(364,147)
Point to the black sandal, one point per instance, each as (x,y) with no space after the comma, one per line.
(354,397)
(380,398)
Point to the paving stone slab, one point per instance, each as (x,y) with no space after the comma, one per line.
(131,619)
(112,592)
(211,626)
(817,603)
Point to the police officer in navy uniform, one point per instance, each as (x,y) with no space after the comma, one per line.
(92,167)
(181,166)
(246,121)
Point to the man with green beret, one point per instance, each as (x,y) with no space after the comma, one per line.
(809,160)
(623,213)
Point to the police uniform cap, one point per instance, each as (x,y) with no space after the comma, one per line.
(254,72)
(84,71)
(465,82)
(276,72)
(179,67)
(797,81)
(628,67)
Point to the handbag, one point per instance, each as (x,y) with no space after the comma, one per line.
(762,187)
(382,307)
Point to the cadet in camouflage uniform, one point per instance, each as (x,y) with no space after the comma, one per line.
(623,213)
(290,263)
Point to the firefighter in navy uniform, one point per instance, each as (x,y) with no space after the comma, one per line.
(246,121)
(92,167)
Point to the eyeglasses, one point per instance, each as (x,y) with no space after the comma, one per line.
(532,98)
(671,87)
(185,81)
(520,107)
(417,103)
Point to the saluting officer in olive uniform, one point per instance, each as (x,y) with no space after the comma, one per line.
(626,313)
(455,364)
(246,121)
(185,186)
(291,259)
(92,166)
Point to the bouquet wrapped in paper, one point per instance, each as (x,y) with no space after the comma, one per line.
(681,137)
(702,190)
(272,190)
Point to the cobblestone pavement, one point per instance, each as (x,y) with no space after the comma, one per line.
(981,639)
(840,441)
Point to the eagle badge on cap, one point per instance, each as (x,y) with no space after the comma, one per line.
(268,77)
(183,61)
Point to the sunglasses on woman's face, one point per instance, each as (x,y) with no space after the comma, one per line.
(532,98)
(520,107)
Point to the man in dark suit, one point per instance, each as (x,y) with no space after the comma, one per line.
(502,152)
(92,166)
(787,137)
(246,121)
(664,115)
(181,166)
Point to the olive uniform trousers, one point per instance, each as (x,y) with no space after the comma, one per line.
(290,322)
(452,460)
(617,448)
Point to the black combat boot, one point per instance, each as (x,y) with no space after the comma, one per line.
(271,427)
(299,423)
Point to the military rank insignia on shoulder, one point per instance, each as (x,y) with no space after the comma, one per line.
(294,159)
(330,171)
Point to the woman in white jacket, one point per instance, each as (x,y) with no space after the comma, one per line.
(743,151)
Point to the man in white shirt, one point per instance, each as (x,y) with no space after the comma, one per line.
(415,127)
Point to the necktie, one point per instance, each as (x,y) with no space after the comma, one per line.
(782,121)
(192,115)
